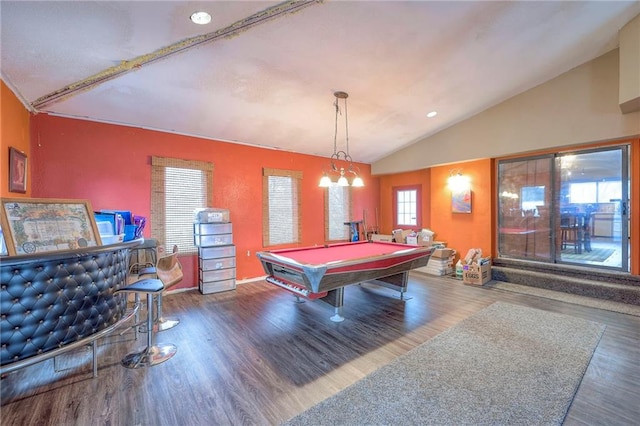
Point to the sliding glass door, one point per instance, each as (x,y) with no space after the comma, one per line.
(525,195)
(566,208)
(592,207)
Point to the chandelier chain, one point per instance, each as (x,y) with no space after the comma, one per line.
(335,135)
(346,126)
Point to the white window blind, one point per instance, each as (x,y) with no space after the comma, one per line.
(185,191)
(178,188)
(281,207)
(337,212)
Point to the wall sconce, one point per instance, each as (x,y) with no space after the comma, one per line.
(458,182)
(334,167)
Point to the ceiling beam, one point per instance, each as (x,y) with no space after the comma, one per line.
(124,67)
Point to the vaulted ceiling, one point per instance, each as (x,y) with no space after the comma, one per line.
(264,73)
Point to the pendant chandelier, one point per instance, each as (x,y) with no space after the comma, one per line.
(337,165)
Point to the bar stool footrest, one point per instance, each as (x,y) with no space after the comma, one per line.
(165,324)
(149,356)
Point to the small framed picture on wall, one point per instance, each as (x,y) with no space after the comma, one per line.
(461,201)
(17,171)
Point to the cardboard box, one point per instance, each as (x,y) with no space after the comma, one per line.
(396,234)
(442,253)
(476,274)
(382,237)
(412,241)
(400,235)
(426,237)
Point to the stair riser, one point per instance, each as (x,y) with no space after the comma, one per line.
(570,271)
(588,288)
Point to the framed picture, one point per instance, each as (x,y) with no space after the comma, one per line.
(461,201)
(40,225)
(17,171)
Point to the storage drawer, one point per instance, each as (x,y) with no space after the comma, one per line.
(219,263)
(212,228)
(212,240)
(211,215)
(216,252)
(217,275)
(217,286)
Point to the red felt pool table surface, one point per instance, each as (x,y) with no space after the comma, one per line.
(342,252)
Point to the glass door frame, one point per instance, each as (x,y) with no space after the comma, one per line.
(555,205)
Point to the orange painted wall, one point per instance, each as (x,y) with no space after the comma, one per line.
(464,231)
(460,231)
(110,166)
(14,132)
(388,182)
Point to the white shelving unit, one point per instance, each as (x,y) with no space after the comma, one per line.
(216,257)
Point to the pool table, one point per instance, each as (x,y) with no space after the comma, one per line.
(322,272)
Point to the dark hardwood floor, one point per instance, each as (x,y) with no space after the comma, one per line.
(253,356)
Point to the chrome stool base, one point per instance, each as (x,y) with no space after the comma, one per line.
(149,356)
(152,354)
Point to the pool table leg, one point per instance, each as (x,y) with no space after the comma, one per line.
(336,298)
(398,282)
(337,316)
(403,297)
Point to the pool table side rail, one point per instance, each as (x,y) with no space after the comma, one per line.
(322,278)
(333,280)
(279,258)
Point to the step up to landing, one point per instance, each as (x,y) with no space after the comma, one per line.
(613,286)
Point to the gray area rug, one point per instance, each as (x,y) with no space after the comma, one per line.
(505,365)
(592,302)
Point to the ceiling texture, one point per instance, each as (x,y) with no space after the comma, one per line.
(264,73)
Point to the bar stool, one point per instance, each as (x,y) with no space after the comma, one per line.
(152,354)
(169,270)
(143,257)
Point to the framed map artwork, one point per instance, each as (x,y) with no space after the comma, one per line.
(40,225)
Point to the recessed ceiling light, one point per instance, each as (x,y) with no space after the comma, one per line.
(200,18)
(432,114)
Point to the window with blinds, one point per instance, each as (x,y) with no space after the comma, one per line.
(178,188)
(337,211)
(281,200)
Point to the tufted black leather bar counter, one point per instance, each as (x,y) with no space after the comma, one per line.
(55,301)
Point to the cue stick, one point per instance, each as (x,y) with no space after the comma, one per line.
(364,223)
